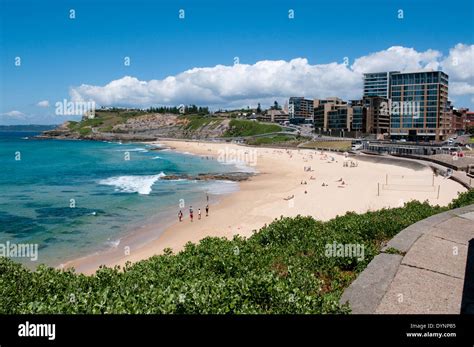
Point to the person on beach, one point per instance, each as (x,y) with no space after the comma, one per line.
(199,213)
(207,210)
(180,215)
(191,213)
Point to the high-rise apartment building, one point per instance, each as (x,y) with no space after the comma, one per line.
(377,84)
(416,103)
(419,105)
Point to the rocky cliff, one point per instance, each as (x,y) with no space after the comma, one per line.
(123,126)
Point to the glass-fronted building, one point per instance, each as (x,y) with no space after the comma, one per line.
(300,110)
(322,110)
(377,84)
(419,105)
(319,115)
(358,118)
(338,118)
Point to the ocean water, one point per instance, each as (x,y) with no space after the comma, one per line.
(73,198)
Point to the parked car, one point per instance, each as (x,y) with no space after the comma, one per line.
(356,145)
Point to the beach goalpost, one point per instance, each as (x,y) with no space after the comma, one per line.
(409,183)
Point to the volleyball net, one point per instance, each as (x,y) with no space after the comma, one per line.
(409,183)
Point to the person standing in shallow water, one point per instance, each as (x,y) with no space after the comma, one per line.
(191,213)
(207,210)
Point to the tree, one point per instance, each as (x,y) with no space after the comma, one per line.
(275,106)
(259,108)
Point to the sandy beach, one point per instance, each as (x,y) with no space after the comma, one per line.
(288,183)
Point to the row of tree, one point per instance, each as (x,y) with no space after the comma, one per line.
(182,109)
(189,109)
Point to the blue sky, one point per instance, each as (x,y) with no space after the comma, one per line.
(58,53)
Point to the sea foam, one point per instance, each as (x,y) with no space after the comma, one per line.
(138,149)
(132,184)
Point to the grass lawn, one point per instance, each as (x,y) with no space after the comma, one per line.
(339,145)
(196,122)
(274,139)
(241,127)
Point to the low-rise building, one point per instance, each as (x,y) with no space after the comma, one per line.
(326,115)
(377,115)
(458,120)
(274,116)
(469,119)
(300,110)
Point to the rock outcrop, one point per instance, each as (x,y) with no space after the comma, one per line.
(147,127)
(229,176)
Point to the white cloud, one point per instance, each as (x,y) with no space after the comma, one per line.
(268,80)
(14,114)
(459,64)
(461,88)
(397,58)
(43,103)
(228,85)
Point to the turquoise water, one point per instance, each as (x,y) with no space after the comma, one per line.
(73,198)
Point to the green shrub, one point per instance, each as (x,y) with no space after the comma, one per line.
(463,199)
(85,131)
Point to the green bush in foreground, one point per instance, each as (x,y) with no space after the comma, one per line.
(281,269)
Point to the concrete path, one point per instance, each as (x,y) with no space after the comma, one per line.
(459,176)
(426,268)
